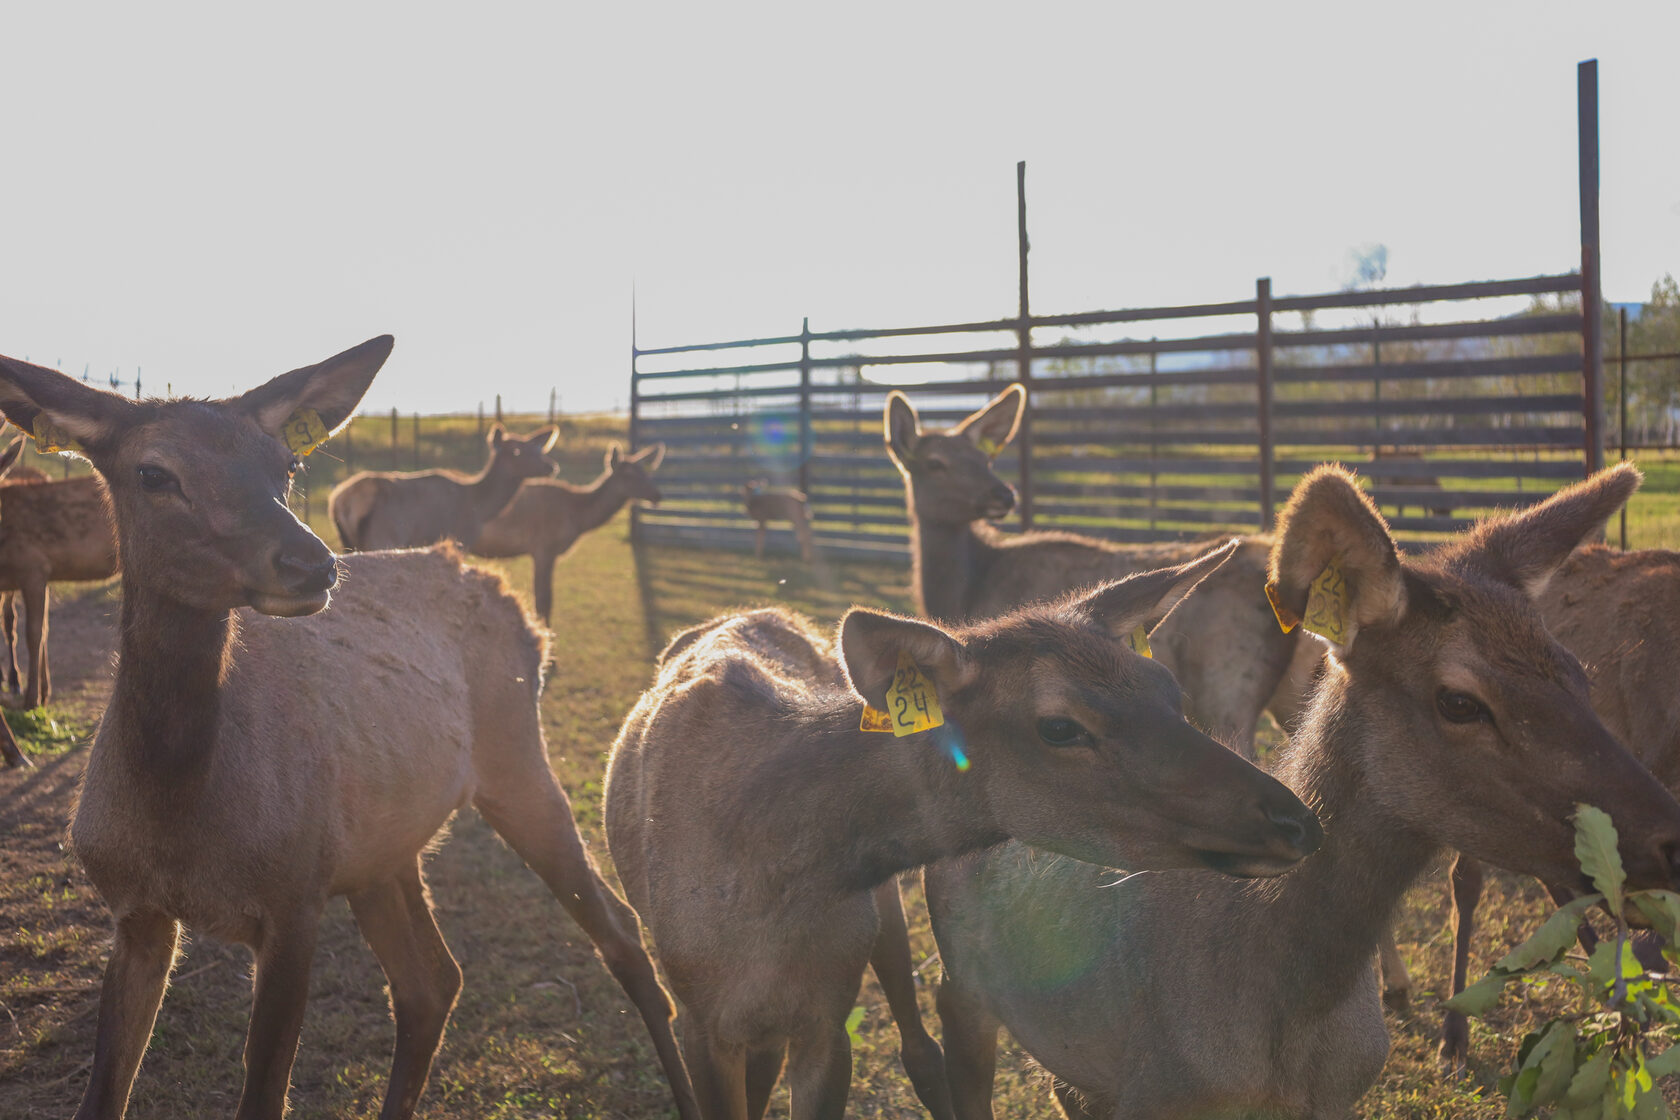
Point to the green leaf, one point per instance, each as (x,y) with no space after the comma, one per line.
(1665,1063)
(1595,847)
(1662,910)
(1554,1056)
(1522,1094)
(1552,940)
(852,1023)
(1590,1081)
(1480,997)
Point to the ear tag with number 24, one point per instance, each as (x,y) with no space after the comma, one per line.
(912,703)
(303,431)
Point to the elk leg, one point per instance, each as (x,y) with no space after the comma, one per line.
(10,753)
(143,954)
(970,1031)
(1396,980)
(758,541)
(8,619)
(1466,893)
(920,1054)
(396,919)
(285,955)
(530,811)
(35,630)
(819,1075)
(763,1068)
(542,583)
(720,1078)
(802,528)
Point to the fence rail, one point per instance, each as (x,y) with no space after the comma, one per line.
(1144,423)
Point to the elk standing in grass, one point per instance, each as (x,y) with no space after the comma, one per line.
(54,530)
(379,509)
(766,503)
(11,755)
(1447,716)
(547,516)
(253,764)
(750,818)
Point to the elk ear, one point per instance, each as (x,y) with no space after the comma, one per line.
(1330,521)
(901,427)
(332,388)
(496,436)
(9,457)
(1525,549)
(870,642)
(612,457)
(553,438)
(1145,598)
(994,426)
(650,456)
(59,410)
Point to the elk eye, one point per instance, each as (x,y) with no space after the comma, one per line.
(1460,707)
(1059,731)
(294,466)
(155,480)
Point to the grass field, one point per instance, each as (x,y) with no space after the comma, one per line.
(541,1029)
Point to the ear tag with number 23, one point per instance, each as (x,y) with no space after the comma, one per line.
(1328,605)
(912,703)
(303,431)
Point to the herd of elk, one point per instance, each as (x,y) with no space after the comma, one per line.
(284,728)
(744,768)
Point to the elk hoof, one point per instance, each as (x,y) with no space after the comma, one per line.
(1455,1044)
(1398,1000)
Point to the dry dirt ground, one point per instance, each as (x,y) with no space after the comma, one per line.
(541,1030)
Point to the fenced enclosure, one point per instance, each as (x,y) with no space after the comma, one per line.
(1145,424)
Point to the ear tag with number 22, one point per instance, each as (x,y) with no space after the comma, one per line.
(912,703)
(303,431)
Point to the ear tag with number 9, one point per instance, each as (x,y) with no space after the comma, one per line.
(912,703)
(303,431)
(1328,606)
(49,437)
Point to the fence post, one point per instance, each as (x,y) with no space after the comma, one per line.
(1263,362)
(1592,292)
(1023,361)
(805,406)
(1621,405)
(633,436)
(393,437)
(416,441)
(480,419)
(498,408)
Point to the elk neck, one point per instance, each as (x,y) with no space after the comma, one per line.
(950,560)
(492,490)
(600,500)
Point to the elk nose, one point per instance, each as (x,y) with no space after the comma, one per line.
(1003,496)
(307,571)
(1296,826)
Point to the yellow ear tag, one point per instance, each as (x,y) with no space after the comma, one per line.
(912,703)
(1287,619)
(1139,641)
(990,447)
(1327,603)
(303,431)
(49,437)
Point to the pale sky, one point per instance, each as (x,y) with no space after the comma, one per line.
(217,193)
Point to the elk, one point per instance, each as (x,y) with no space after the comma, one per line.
(1619,612)
(388,509)
(766,503)
(1426,490)
(1447,717)
(547,516)
(750,818)
(262,754)
(54,530)
(11,755)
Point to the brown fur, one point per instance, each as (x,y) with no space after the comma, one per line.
(1448,717)
(387,509)
(547,516)
(750,819)
(767,503)
(252,764)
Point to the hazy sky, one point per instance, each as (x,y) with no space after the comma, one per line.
(216,193)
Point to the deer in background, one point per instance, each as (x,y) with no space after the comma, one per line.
(55,530)
(750,818)
(387,509)
(22,472)
(11,755)
(766,503)
(547,516)
(254,763)
(1447,717)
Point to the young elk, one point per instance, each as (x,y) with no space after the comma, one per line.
(766,503)
(1447,716)
(1224,647)
(547,516)
(55,530)
(254,763)
(750,818)
(385,509)
(1619,612)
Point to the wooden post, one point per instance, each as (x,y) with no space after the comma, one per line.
(1592,290)
(1154,444)
(393,437)
(1263,362)
(480,419)
(498,408)
(635,414)
(1621,403)
(805,406)
(1023,361)
(416,441)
